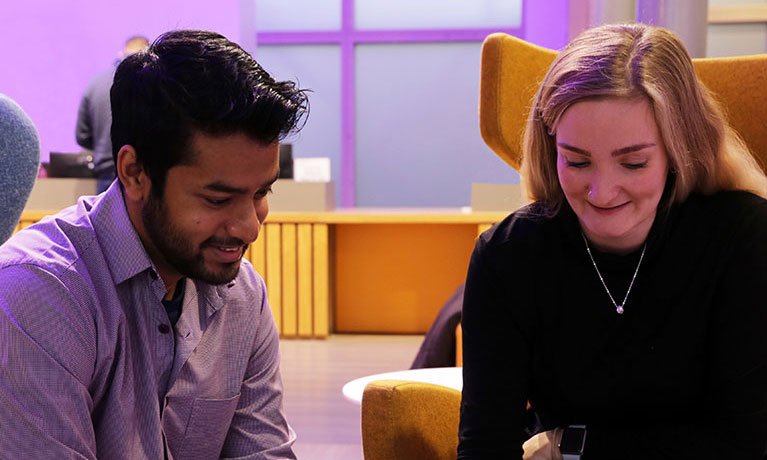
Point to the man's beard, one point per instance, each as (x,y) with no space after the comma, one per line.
(179,251)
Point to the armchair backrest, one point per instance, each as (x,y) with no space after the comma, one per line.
(512,70)
(19,161)
(409,421)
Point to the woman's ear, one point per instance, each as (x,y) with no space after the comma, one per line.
(132,175)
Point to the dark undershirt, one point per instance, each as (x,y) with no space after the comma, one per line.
(173,306)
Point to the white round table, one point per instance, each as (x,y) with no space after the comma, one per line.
(451,377)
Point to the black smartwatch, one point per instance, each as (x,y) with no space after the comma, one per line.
(573,441)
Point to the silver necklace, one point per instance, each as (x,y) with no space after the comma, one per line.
(618,308)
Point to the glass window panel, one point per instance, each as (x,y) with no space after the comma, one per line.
(437,14)
(318,68)
(417,126)
(736,39)
(295,15)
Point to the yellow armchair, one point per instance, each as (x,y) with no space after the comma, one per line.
(409,421)
(513,68)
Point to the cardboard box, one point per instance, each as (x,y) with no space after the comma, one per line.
(292,196)
(497,197)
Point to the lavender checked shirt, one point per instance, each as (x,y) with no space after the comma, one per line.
(90,369)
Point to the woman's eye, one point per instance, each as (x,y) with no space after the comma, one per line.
(635,165)
(577,164)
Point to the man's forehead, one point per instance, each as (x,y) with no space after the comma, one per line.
(201,143)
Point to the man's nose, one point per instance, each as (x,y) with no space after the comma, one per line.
(245,224)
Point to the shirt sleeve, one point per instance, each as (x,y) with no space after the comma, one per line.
(259,429)
(734,421)
(496,360)
(47,354)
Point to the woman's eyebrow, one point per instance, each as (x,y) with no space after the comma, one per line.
(573,148)
(620,151)
(632,148)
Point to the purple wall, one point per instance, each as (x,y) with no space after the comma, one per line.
(547,22)
(50,49)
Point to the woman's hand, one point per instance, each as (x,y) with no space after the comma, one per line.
(543,446)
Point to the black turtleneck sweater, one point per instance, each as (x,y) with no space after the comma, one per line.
(682,374)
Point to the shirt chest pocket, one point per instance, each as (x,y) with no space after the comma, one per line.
(207,427)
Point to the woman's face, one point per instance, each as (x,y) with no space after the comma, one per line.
(612,167)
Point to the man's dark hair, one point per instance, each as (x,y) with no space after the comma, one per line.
(191,81)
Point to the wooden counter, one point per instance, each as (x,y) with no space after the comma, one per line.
(360,270)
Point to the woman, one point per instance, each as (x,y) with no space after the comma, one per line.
(626,304)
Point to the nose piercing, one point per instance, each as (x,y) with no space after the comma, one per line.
(591,194)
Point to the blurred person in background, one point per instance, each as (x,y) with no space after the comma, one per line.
(94,116)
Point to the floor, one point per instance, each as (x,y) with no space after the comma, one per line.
(314,371)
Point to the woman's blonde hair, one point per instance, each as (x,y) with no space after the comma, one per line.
(637,60)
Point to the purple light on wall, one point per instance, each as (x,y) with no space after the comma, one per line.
(52,49)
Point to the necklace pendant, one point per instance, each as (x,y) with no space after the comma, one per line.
(619,309)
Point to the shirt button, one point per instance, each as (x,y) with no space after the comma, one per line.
(163,328)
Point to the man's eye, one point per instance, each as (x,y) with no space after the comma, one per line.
(217,201)
(263,192)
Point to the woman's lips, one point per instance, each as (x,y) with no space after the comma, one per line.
(608,210)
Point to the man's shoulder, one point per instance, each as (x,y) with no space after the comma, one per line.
(102,81)
(54,244)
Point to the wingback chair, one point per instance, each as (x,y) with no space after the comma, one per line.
(416,421)
(513,68)
(409,420)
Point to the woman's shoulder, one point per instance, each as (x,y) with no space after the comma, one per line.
(734,216)
(524,226)
(729,206)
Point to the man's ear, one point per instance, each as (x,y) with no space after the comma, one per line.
(132,175)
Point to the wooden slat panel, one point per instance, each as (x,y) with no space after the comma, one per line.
(257,254)
(305,294)
(274,271)
(26,221)
(321,280)
(289,284)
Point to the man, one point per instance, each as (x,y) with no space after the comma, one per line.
(130,328)
(94,117)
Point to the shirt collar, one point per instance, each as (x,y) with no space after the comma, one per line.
(125,256)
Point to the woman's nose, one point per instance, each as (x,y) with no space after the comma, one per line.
(602,189)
